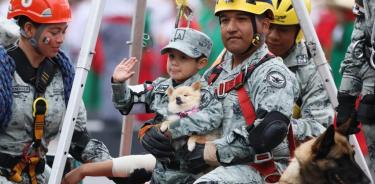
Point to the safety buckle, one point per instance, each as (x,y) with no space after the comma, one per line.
(31,150)
(262,157)
(239,81)
(40,106)
(221,93)
(272,178)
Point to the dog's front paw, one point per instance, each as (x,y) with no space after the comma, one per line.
(164,126)
(191,143)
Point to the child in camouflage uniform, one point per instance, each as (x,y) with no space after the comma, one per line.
(187,51)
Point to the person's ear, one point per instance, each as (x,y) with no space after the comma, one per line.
(265,25)
(202,62)
(29,29)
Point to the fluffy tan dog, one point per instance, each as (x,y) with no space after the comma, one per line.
(184,101)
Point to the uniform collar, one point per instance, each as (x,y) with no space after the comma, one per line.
(253,59)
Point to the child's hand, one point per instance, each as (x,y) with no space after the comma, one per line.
(123,71)
(73,177)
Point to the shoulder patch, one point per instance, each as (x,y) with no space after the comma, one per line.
(206,98)
(302,59)
(21,89)
(161,88)
(276,79)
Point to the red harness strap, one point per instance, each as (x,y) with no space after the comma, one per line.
(264,162)
(237,83)
(291,141)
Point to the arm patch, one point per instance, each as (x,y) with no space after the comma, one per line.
(276,79)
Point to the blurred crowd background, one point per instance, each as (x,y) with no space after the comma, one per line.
(333,20)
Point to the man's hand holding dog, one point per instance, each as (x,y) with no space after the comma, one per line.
(124,70)
(195,159)
(157,143)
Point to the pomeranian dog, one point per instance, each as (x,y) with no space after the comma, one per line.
(184,101)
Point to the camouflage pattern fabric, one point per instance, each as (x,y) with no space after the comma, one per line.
(271,87)
(191,42)
(19,132)
(358,76)
(155,99)
(316,109)
(9,32)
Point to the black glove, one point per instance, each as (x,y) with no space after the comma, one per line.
(158,144)
(345,108)
(139,176)
(352,128)
(195,159)
(366,110)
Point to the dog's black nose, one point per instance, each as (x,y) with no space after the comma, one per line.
(178,101)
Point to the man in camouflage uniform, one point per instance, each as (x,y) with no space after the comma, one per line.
(36,80)
(270,88)
(186,46)
(359,76)
(313,111)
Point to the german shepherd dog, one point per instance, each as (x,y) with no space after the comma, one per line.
(327,159)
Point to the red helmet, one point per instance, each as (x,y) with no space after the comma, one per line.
(41,11)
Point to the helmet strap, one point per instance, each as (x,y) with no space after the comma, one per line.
(254,23)
(256,36)
(256,40)
(31,40)
(298,35)
(34,39)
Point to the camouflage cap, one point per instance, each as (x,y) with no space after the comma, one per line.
(191,42)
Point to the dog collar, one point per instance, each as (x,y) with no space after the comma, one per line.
(187,113)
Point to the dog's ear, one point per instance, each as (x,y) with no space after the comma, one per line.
(324,143)
(170,90)
(196,85)
(350,126)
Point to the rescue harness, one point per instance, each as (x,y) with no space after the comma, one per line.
(31,158)
(263,162)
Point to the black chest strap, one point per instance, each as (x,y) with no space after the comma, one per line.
(23,66)
(38,77)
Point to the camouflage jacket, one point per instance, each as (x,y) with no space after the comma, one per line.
(152,97)
(316,111)
(18,134)
(355,67)
(271,87)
